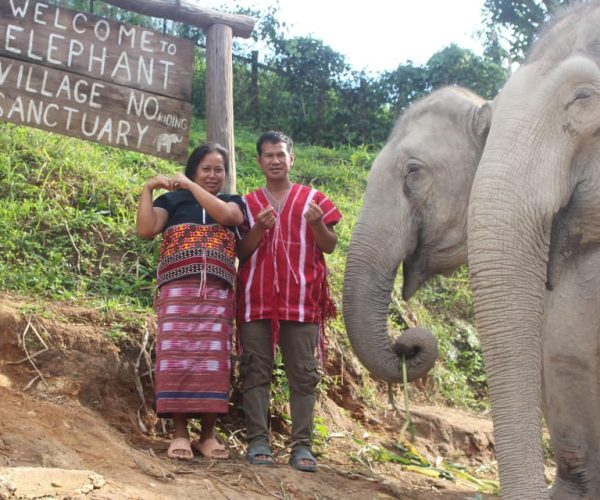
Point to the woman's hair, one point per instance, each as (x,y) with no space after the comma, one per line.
(198,155)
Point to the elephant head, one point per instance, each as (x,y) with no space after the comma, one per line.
(415,213)
(534,259)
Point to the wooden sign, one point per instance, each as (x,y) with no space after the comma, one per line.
(84,76)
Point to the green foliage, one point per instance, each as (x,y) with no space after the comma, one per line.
(66,217)
(404,85)
(411,460)
(320,431)
(518,22)
(456,66)
(116,333)
(280,394)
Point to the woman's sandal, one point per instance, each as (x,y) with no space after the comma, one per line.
(303,454)
(260,450)
(180,449)
(211,448)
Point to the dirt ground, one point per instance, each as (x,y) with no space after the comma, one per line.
(76,422)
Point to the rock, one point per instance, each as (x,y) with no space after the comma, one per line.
(40,482)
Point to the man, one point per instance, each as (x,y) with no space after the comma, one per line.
(283,297)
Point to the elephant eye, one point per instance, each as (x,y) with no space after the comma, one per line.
(581,94)
(413,167)
(413,177)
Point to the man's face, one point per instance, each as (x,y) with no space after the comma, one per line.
(275,161)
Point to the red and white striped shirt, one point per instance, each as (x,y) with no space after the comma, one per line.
(286,277)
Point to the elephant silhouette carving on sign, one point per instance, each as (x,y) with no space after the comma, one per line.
(167,140)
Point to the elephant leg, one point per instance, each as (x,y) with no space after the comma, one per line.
(571,377)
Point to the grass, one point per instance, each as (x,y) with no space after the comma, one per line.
(67,230)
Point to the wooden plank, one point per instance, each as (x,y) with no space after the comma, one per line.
(94,110)
(96,47)
(189,12)
(219,94)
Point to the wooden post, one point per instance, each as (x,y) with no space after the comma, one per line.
(219,94)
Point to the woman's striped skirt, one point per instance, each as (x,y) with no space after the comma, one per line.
(193,347)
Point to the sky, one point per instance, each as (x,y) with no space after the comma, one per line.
(379,35)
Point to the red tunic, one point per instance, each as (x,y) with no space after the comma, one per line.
(286,277)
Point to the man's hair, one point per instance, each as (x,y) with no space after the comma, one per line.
(198,155)
(273,137)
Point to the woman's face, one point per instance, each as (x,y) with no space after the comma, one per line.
(210,173)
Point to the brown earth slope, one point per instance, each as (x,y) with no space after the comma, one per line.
(76,421)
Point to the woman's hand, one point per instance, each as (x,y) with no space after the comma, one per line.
(158,182)
(180,181)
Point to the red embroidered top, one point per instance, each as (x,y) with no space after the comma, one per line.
(193,243)
(286,277)
(189,249)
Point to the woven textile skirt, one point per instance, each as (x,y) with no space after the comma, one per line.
(193,348)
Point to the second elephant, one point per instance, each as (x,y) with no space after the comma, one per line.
(533,248)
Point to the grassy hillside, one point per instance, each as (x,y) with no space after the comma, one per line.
(67,231)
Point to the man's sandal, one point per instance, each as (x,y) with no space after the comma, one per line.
(260,450)
(302,454)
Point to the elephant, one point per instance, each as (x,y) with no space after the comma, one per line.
(533,232)
(534,261)
(415,212)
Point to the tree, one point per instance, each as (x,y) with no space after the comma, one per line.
(456,66)
(311,71)
(517,22)
(405,84)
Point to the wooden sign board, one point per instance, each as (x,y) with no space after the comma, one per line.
(84,76)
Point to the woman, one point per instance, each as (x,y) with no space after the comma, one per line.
(195,303)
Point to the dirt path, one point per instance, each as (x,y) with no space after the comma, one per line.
(72,425)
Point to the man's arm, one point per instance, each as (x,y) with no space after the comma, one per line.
(265,220)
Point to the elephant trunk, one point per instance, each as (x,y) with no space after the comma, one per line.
(370,271)
(509,225)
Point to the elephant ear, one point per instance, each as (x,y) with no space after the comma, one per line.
(482,121)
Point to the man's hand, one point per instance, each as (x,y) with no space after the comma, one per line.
(325,236)
(313,213)
(266,218)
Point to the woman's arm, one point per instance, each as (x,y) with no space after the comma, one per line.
(225,213)
(151,220)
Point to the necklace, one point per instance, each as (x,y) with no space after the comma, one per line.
(277,202)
